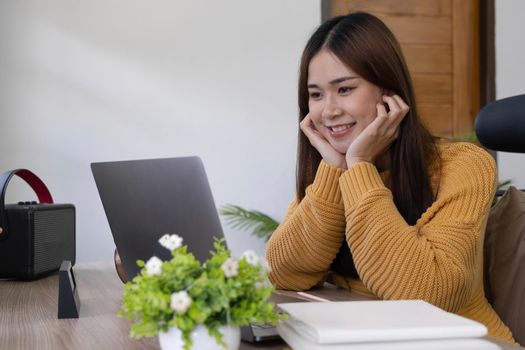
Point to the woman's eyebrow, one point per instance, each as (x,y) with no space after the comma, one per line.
(340,80)
(333,82)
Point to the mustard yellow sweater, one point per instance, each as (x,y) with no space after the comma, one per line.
(439,259)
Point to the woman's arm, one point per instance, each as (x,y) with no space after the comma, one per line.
(302,248)
(436,259)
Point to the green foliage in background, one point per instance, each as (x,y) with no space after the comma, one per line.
(467,137)
(216,298)
(260,224)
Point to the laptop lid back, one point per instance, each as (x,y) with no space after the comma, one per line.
(145,199)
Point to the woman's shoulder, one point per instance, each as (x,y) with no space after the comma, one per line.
(466,160)
(459,152)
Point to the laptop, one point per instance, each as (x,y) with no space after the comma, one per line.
(144,199)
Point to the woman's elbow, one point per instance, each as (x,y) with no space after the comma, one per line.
(291,281)
(451,295)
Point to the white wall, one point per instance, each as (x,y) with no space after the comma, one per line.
(84,81)
(510,75)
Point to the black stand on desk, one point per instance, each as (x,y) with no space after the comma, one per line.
(68,301)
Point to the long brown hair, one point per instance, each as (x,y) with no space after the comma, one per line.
(366,45)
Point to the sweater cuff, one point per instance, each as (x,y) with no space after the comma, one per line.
(361,178)
(326,182)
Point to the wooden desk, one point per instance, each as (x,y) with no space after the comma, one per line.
(28,315)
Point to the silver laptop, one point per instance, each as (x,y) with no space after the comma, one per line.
(144,199)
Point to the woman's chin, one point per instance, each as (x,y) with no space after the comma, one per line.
(341,148)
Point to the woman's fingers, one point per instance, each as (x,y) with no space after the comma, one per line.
(401,103)
(317,140)
(381,122)
(380,133)
(381,110)
(398,108)
(313,135)
(395,109)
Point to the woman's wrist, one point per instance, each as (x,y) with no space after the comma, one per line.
(341,164)
(326,182)
(350,161)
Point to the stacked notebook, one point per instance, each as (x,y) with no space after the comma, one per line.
(388,325)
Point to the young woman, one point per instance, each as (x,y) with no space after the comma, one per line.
(391,211)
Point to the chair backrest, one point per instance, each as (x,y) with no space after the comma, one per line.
(500,126)
(504,261)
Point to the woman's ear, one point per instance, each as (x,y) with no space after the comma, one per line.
(387,92)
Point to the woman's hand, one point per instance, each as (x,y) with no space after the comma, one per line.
(329,154)
(377,137)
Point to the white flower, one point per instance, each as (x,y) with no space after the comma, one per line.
(250,257)
(164,240)
(171,242)
(180,302)
(230,267)
(154,266)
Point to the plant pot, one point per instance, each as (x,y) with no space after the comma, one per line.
(172,340)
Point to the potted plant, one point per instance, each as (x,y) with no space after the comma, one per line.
(193,305)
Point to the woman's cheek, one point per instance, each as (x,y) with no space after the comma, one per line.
(314,112)
(316,119)
(317,124)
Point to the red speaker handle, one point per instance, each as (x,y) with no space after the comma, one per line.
(43,194)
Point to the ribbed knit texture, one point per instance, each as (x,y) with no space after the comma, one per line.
(439,259)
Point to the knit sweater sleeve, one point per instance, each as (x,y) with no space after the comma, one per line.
(302,248)
(435,259)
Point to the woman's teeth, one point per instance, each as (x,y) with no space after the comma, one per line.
(339,128)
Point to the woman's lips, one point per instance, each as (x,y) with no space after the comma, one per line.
(340,130)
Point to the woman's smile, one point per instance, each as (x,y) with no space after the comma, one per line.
(341,129)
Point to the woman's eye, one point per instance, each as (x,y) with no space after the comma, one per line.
(345,89)
(315,95)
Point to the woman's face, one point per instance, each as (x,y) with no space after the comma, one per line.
(340,102)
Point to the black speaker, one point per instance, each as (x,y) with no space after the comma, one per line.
(35,237)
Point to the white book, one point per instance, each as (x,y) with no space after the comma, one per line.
(298,342)
(376,321)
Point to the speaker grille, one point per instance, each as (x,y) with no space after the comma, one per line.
(54,239)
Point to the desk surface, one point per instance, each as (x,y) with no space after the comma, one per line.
(28,315)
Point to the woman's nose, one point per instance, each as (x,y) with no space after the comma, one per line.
(331,108)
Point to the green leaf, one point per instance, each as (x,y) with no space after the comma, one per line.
(261,225)
(467,137)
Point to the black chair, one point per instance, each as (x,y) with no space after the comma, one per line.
(500,126)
